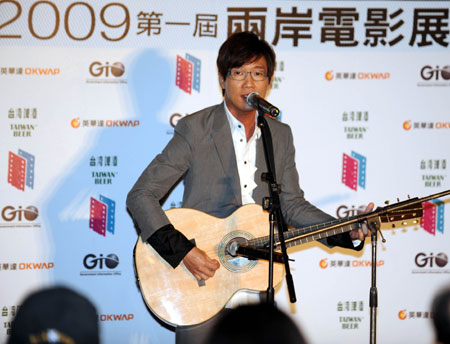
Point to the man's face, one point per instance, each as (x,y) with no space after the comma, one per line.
(236,91)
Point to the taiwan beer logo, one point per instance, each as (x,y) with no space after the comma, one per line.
(102,215)
(21,170)
(354,170)
(188,73)
(433,216)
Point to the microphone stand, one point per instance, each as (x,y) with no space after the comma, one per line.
(272,203)
(374,227)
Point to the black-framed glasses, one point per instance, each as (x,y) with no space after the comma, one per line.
(240,74)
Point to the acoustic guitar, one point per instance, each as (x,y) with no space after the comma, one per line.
(176,297)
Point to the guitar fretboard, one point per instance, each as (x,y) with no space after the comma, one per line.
(311,233)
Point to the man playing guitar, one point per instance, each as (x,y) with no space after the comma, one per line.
(218,153)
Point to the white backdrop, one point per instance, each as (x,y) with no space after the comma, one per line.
(90,94)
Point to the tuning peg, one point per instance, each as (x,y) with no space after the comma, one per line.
(409,197)
(398,199)
(386,202)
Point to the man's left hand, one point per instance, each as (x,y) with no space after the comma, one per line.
(362,233)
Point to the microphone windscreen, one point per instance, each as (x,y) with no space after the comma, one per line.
(251,98)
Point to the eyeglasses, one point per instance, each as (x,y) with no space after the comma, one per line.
(240,74)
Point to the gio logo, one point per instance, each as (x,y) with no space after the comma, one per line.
(98,69)
(91,261)
(21,170)
(102,215)
(345,211)
(354,170)
(422,260)
(19,217)
(9,213)
(188,73)
(429,73)
(433,216)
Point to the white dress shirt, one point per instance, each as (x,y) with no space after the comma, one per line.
(245,152)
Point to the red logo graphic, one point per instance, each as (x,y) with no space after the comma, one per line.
(188,73)
(75,123)
(323,263)
(21,169)
(433,216)
(354,170)
(329,75)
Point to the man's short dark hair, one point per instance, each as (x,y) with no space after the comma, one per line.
(241,48)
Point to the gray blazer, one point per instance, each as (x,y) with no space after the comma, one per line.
(201,153)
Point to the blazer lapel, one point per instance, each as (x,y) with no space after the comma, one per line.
(223,141)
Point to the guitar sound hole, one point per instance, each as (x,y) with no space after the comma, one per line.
(234,259)
(228,255)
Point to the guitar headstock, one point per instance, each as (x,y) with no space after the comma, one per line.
(401,214)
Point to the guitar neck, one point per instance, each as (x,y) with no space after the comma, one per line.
(320,231)
(409,209)
(311,233)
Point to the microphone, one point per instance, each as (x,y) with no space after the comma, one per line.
(234,249)
(260,104)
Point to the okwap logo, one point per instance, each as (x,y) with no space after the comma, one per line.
(116,317)
(30,71)
(404,314)
(102,123)
(356,263)
(331,75)
(21,170)
(107,73)
(354,170)
(408,125)
(188,73)
(26,266)
(433,216)
(102,215)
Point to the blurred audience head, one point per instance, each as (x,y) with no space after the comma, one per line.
(255,324)
(441,315)
(55,315)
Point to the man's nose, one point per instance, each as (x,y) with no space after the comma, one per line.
(248,80)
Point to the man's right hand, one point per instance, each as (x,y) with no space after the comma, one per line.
(200,265)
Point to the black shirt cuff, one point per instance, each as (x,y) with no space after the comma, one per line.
(171,244)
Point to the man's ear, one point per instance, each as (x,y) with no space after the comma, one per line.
(221,81)
(269,87)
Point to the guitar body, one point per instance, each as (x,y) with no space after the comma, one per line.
(174,295)
(177,298)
